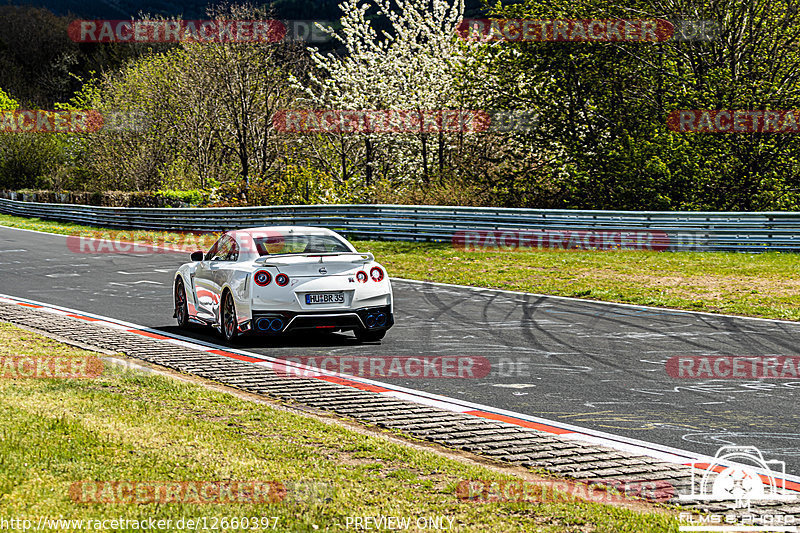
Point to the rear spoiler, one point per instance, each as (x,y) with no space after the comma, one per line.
(362,257)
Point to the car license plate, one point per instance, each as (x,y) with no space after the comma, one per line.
(325,298)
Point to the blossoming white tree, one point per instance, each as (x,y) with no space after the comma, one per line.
(416,64)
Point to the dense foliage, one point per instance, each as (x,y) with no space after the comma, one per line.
(200,116)
(603,106)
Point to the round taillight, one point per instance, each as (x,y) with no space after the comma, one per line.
(376,273)
(361,276)
(282,280)
(262,278)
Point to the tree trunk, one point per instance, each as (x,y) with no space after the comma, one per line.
(425,178)
(441,154)
(344,160)
(368,147)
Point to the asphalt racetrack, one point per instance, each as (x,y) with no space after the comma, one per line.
(593,365)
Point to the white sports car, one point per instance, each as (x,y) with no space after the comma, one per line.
(279,279)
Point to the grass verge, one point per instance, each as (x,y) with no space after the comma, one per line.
(130,426)
(763,285)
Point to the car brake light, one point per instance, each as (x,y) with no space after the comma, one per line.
(361,276)
(262,278)
(376,273)
(282,280)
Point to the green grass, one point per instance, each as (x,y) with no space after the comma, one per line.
(130,426)
(764,285)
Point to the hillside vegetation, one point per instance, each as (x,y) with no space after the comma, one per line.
(587,121)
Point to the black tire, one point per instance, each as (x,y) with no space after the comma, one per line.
(228,320)
(181,306)
(364,335)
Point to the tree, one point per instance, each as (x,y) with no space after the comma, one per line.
(603,106)
(208,113)
(249,82)
(414,65)
(27,159)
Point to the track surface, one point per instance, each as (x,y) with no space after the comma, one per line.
(593,365)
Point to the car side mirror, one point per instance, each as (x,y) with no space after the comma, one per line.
(197,256)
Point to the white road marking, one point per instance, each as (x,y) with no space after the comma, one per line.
(66,275)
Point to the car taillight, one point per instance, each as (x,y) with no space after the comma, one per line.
(376,273)
(361,276)
(282,280)
(262,278)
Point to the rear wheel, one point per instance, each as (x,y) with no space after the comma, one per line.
(364,335)
(228,318)
(181,307)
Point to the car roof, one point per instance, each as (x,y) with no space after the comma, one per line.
(302,230)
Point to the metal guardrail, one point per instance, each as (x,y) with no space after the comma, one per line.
(475,226)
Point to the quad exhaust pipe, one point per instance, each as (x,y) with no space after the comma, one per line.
(377,320)
(270,324)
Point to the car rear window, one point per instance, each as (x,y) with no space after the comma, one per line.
(299,244)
